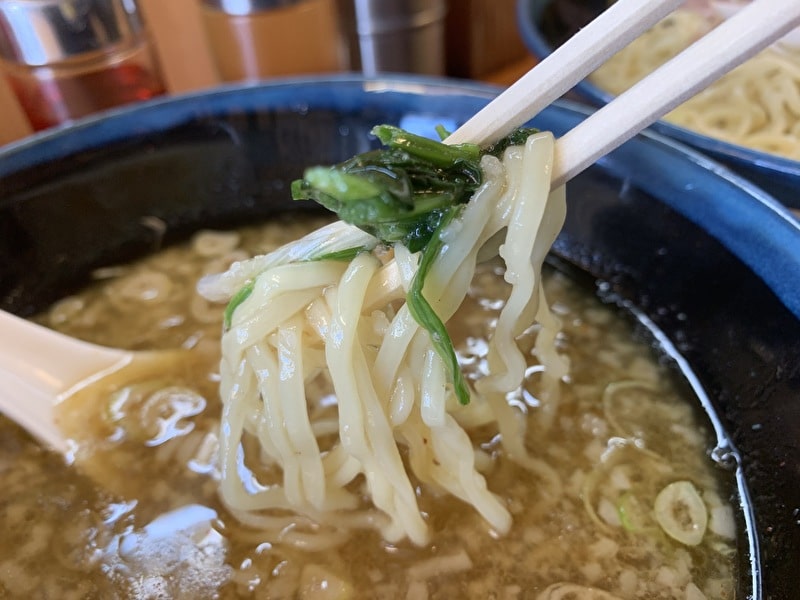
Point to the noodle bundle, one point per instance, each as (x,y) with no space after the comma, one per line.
(338,408)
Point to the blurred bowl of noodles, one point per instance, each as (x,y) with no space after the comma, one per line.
(702,264)
(749,120)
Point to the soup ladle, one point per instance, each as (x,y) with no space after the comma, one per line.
(41,369)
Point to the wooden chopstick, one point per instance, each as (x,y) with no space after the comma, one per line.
(735,40)
(731,43)
(612,30)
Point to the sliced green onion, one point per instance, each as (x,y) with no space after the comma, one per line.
(631,513)
(681,513)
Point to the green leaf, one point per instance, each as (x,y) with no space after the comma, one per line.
(339,185)
(441,155)
(442,132)
(345,255)
(518,137)
(424,314)
(397,193)
(239,297)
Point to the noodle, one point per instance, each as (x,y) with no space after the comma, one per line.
(327,324)
(755,105)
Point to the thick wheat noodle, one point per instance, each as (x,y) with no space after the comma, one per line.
(311,324)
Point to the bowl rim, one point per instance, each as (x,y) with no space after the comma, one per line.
(766,249)
(150,115)
(534,38)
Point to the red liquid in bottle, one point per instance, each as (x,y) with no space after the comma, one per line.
(53,95)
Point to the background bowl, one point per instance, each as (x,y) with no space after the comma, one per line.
(546,24)
(705,262)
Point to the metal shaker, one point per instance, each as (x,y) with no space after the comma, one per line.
(399,36)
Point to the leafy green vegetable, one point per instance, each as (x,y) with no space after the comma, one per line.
(407,192)
(442,132)
(436,153)
(515,138)
(235,301)
(347,254)
(424,314)
(398,193)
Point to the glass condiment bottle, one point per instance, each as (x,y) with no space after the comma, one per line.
(66,59)
(254,39)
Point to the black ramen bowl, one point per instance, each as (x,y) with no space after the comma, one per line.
(546,24)
(707,264)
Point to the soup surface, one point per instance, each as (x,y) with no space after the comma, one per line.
(137,514)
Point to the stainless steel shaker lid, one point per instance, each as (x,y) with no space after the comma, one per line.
(41,32)
(246,7)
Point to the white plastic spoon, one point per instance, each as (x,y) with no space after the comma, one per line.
(39,368)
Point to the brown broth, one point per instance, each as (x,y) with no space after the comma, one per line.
(98,530)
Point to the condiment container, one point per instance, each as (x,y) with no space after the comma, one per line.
(254,39)
(404,36)
(66,59)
